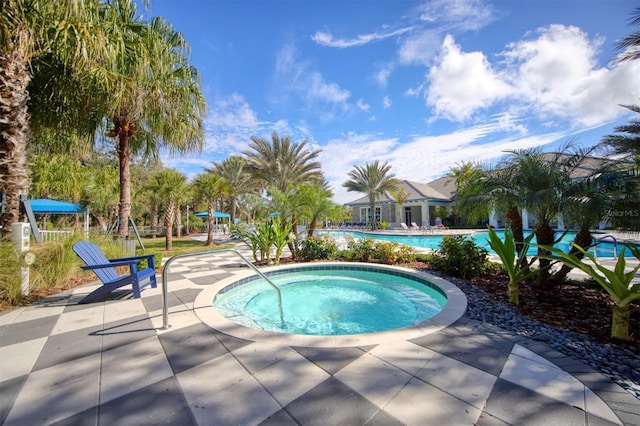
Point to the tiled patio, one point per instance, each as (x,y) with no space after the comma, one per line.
(110,363)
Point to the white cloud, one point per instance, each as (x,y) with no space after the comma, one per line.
(460,14)
(386,102)
(294,77)
(556,73)
(382,75)
(362,105)
(327,39)
(551,75)
(420,47)
(462,83)
(232,111)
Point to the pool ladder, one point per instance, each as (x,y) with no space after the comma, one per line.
(603,239)
(165,287)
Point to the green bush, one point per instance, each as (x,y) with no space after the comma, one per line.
(318,248)
(460,257)
(363,249)
(392,252)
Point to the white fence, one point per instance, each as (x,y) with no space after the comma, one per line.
(55,235)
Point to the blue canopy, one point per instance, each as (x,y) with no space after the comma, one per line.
(46,206)
(215,214)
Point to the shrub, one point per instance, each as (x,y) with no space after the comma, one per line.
(460,257)
(318,248)
(363,249)
(392,252)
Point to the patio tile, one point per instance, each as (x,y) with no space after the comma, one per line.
(373,378)
(420,404)
(221,392)
(23,331)
(57,392)
(596,407)
(125,331)
(281,418)
(331,360)
(407,356)
(159,403)
(18,359)
(434,341)
(66,347)
(131,367)
(461,380)
(91,316)
(258,356)
(9,390)
(544,378)
(181,297)
(483,357)
(521,406)
(332,403)
(190,346)
(277,378)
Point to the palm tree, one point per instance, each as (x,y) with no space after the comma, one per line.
(469,178)
(282,164)
(630,45)
(315,203)
(169,185)
(157,101)
(235,172)
(209,188)
(374,180)
(400,196)
(29,31)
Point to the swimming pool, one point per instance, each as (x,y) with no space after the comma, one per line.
(371,304)
(604,249)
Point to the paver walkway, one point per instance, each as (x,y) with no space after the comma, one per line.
(109,363)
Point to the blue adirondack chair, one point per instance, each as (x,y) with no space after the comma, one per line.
(105,269)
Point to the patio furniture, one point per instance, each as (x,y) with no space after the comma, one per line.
(105,269)
(404,226)
(415,226)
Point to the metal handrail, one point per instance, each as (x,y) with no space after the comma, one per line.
(603,239)
(165,287)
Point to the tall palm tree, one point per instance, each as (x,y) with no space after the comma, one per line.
(281,163)
(209,188)
(630,45)
(157,101)
(374,180)
(29,31)
(235,172)
(399,195)
(169,184)
(469,179)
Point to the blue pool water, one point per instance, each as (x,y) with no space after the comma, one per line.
(332,302)
(604,249)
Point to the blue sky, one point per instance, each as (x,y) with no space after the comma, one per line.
(423,85)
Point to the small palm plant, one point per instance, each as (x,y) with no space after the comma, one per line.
(517,270)
(616,282)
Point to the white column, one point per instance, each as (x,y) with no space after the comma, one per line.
(493,219)
(525,220)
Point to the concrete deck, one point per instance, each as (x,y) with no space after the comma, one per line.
(109,363)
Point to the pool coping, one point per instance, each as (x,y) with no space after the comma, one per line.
(454,309)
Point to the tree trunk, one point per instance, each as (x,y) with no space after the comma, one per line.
(514,293)
(545,235)
(620,322)
(514,219)
(583,239)
(124,211)
(169,214)
(14,134)
(210,225)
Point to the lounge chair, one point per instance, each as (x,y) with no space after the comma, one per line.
(404,226)
(105,269)
(415,226)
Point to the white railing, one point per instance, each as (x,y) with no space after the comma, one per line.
(55,235)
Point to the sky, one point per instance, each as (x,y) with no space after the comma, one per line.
(423,85)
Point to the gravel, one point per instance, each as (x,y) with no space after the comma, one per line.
(621,364)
